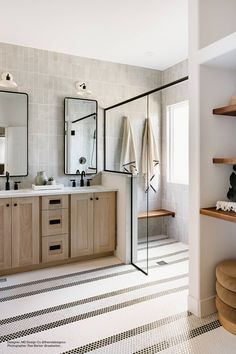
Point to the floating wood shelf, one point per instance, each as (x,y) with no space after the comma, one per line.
(226,111)
(219,214)
(226,161)
(156,214)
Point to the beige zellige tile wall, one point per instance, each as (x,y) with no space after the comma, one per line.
(174,196)
(48,77)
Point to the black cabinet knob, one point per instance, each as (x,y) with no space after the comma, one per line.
(97,198)
(7,205)
(15,204)
(91,198)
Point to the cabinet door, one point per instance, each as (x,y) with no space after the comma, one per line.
(5,233)
(25,231)
(81,224)
(104,222)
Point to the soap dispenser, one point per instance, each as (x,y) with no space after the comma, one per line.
(16,187)
(7,185)
(73,182)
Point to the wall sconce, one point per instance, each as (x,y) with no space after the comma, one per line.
(82,89)
(7,81)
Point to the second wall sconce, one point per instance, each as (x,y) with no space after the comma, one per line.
(7,81)
(82,89)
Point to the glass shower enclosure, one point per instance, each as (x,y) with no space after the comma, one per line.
(132,146)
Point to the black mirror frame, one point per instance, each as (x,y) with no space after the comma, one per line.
(81,99)
(27,119)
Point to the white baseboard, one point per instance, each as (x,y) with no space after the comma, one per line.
(208,306)
(202,308)
(193,306)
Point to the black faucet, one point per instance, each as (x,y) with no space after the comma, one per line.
(82,179)
(7,185)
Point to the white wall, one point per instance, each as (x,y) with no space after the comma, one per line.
(211,240)
(217,20)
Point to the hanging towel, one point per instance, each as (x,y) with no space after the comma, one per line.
(150,158)
(128,161)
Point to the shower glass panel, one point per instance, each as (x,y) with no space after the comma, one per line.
(127,151)
(123,124)
(146,188)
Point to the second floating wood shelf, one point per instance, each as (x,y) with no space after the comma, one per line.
(225,160)
(226,111)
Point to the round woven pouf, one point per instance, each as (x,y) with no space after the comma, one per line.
(226,294)
(227,316)
(226,274)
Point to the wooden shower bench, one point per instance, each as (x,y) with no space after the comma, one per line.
(156,214)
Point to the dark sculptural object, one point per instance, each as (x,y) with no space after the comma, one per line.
(231,195)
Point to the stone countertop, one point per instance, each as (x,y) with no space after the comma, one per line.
(66,190)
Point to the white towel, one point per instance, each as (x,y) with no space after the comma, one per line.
(128,161)
(150,157)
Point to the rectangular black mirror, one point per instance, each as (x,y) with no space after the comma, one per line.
(80,136)
(13,133)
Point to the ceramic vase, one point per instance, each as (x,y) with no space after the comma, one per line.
(41,178)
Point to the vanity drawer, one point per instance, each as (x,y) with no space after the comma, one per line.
(54,222)
(54,248)
(55,202)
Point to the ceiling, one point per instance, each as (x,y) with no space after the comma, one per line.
(147,33)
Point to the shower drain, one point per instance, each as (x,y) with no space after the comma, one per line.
(161,263)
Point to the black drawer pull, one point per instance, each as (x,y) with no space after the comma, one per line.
(54,247)
(15,204)
(97,198)
(7,205)
(55,201)
(54,222)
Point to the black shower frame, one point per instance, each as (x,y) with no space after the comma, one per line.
(145,94)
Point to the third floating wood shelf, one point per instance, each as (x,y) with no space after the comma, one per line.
(225,160)
(226,111)
(219,214)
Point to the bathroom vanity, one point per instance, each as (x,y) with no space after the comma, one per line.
(43,228)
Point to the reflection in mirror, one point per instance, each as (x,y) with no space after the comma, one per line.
(13,133)
(80,136)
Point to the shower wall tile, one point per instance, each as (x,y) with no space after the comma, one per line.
(48,78)
(174,196)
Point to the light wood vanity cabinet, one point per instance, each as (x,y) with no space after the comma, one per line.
(54,226)
(35,231)
(19,232)
(93,223)
(104,222)
(81,225)
(25,231)
(5,233)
